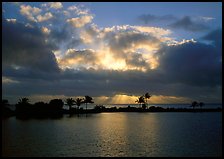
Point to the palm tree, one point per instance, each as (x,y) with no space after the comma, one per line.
(194,104)
(23,105)
(70,103)
(88,99)
(140,100)
(147,96)
(23,101)
(78,101)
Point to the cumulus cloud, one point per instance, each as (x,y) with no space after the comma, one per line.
(29,12)
(189,25)
(26,47)
(46,16)
(55,5)
(125,43)
(78,10)
(78,58)
(124,47)
(80,21)
(33,13)
(45,30)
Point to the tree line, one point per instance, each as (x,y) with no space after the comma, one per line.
(55,106)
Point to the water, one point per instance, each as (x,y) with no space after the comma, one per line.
(115,134)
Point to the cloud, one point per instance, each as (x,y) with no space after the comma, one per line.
(78,10)
(90,34)
(194,64)
(45,17)
(80,21)
(29,12)
(11,20)
(189,25)
(155,31)
(45,30)
(6,80)
(215,36)
(206,19)
(78,58)
(33,13)
(124,47)
(75,57)
(147,18)
(55,5)
(125,43)
(26,47)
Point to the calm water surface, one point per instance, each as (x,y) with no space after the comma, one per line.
(115,134)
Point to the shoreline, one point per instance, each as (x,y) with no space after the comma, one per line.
(59,113)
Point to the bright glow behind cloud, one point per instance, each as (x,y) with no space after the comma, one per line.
(65,51)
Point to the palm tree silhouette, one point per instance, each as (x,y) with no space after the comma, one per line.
(78,101)
(140,100)
(147,96)
(194,104)
(70,102)
(88,99)
(23,101)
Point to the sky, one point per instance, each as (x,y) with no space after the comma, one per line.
(112,51)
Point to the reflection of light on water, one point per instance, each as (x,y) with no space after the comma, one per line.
(115,134)
(117,137)
(112,129)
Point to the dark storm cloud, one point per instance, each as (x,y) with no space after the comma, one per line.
(187,24)
(194,64)
(26,47)
(147,18)
(21,74)
(74,83)
(215,37)
(109,83)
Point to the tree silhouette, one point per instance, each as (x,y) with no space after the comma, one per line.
(140,100)
(70,102)
(23,101)
(194,104)
(23,105)
(78,101)
(147,96)
(56,104)
(88,99)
